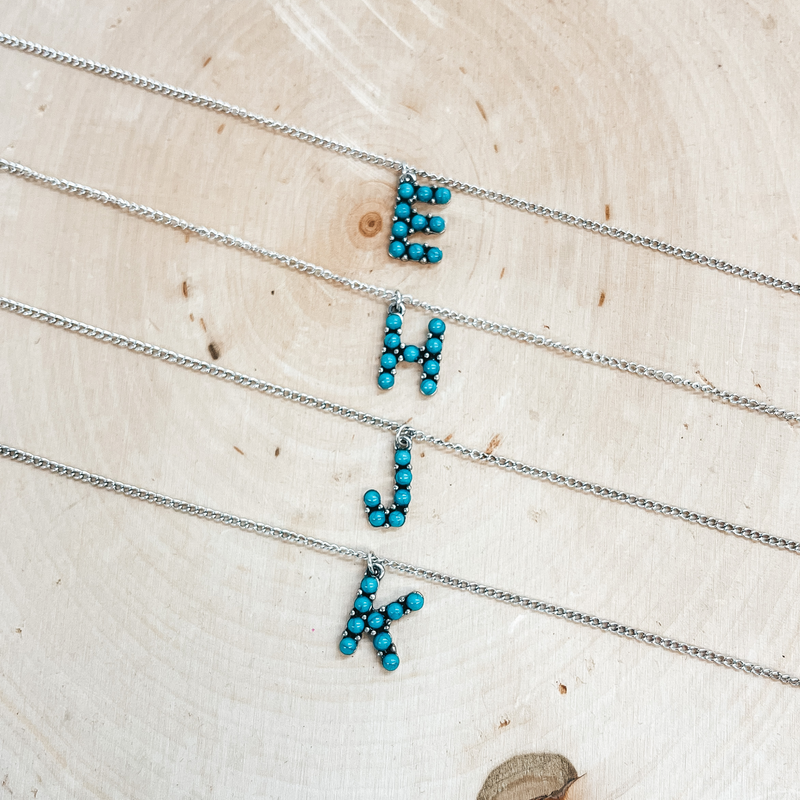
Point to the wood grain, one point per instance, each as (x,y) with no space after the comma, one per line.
(147,655)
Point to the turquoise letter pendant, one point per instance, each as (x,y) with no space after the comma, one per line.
(406,220)
(429,355)
(395,516)
(365,620)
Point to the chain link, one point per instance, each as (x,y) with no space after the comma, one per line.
(400,429)
(398,299)
(187,96)
(432,576)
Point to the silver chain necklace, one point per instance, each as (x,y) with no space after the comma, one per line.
(397,298)
(187,96)
(376,566)
(399,429)
(366,618)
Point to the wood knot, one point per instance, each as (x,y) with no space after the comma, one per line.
(370,224)
(532,776)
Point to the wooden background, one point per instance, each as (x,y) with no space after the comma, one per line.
(145,654)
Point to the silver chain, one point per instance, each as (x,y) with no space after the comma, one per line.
(398,299)
(432,576)
(400,429)
(187,96)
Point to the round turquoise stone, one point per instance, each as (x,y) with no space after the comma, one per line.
(402,210)
(415,601)
(402,477)
(406,190)
(400,230)
(375,621)
(442,195)
(383,641)
(434,255)
(391,340)
(388,361)
(386,380)
(397,249)
(431,367)
(369,585)
(390,662)
(372,499)
(396,519)
(410,353)
(402,457)
(433,346)
(415,252)
(402,497)
(394,611)
(425,194)
(436,326)
(377,518)
(348,646)
(428,386)
(436,224)
(355,625)
(362,604)
(394,322)
(418,222)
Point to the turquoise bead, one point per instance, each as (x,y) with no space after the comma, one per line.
(388,361)
(436,224)
(392,340)
(383,641)
(402,457)
(433,346)
(402,477)
(431,367)
(375,620)
(397,249)
(410,353)
(402,210)
(396,519)
(415,252)
(434,255)
(394,322)
(402,497)
(386,380)
(442,195)
(400,230)
(355,625)
(348,646)
(362,604)
(428,386)
(436,326)
(406,190)
(425,194)
(415,601)
(390,662)
(377,518)
(394,611)
(369,585)
(372,499)
(418,222)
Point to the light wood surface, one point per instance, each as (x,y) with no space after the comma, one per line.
(145,654)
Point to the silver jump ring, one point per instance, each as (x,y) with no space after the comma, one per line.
(404,437)
(397,306)
(375,567)
(407,175)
